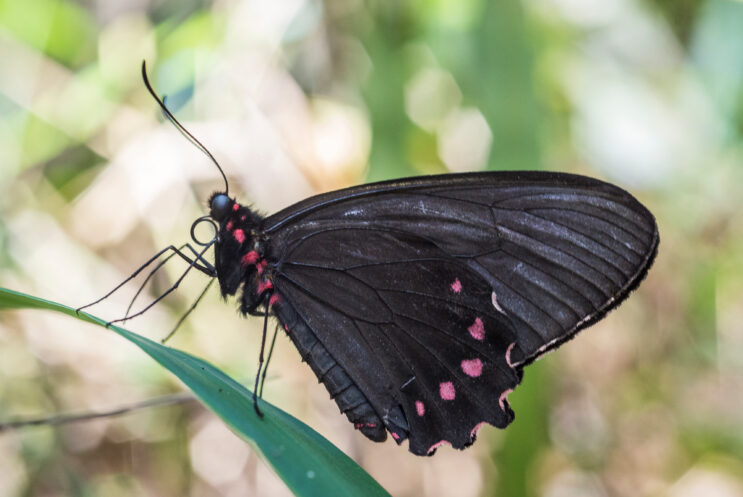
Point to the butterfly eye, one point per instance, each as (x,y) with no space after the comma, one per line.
(220,206)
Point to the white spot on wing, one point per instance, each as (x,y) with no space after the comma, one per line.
(353,212)
(497,306)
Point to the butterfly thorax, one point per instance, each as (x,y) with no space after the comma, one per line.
(239,253)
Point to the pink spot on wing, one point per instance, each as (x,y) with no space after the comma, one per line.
(420,408)
(456,286)
(263,286)
(504,398)
(477,329)
(236,207)
(472,367)
(242,218)
(477,427)
(239,236)
(395,436)
(229,226)
(249,258)
(446,390)
(286,328)
(508,354)
(437,445)
(275,299)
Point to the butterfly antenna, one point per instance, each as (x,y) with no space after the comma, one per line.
(180,127)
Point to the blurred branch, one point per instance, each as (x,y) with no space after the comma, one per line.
(59,419)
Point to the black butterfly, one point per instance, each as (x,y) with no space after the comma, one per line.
(418,302)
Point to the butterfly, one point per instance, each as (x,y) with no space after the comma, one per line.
(418,302)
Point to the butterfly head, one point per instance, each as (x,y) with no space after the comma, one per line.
(220,206)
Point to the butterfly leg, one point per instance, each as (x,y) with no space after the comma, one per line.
(193,264)
(205,267)
(268,360)
(149,277)
(190,309)
(260,358)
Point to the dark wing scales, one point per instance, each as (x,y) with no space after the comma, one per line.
(342,388)
(372,271)
(565,260)
(418,334)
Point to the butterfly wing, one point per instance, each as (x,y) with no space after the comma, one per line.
(429,295)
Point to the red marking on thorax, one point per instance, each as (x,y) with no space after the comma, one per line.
(472,367)
(420,408)
(239,235)
(275,299)
(447,391)
(236,207)
(477,329)
(261,266)
(229,226)
(456,286)
(250,258)
(264,285)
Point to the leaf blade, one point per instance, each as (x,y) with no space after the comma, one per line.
(304,459)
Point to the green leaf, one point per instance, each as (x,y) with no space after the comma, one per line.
(304,459)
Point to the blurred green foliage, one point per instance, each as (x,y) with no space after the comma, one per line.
(64,31)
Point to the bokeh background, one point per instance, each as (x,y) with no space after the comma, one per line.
(303,96)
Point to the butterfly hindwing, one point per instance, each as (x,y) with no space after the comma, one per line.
(417,332)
